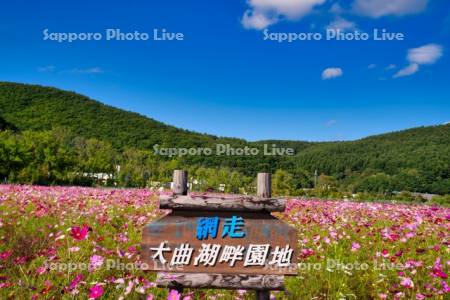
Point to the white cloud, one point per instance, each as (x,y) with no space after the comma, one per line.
(263,13)
(46,69)
(407,71)
(94,70)
(380,8)
(330,73)
(390,67)
(256,20)
(341,24)
(330,123)
(336,8)
(371,66)
(425,55)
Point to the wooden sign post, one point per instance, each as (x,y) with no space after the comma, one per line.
(228,242)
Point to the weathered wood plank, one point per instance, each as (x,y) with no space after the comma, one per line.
(180,179)
(264,185)
(220,281)
(216,203)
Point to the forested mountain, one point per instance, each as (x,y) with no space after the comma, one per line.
(416,159)
(32,107)
(37,108)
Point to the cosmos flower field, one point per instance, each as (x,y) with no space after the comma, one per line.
(73,242)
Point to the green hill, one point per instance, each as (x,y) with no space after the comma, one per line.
(38,108)
(33,107)
(417,159)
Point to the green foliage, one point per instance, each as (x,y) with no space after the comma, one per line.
(377,183)
(94,155)
(35,157)
(139,168)
(211,179)
(441,200)
(4,125)
(282,183)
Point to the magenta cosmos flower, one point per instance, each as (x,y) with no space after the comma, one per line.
(95,292)
(79,233)
(75,282)
(5,255)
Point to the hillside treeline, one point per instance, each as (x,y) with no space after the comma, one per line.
(50,136)
(61,157)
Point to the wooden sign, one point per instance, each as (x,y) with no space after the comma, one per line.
(221,242)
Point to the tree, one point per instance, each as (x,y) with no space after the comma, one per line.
(282,183)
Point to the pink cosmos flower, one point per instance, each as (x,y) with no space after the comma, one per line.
(79,233)
(75,282)
(439,273)
(407,283)
(410,235)
(41,270)
(393,237)
(306,252)
(445,287)
(95,262)
(420,296)
(149,297)
(6,284)
(95,292)
(437,269)
(129,287)
(5,255)
(399,253)
(411,264)
(47,287)
(148,284)
(20,260)
(355,246)
(173,295)
(122,238)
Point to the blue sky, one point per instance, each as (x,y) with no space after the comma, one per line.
(225,79)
